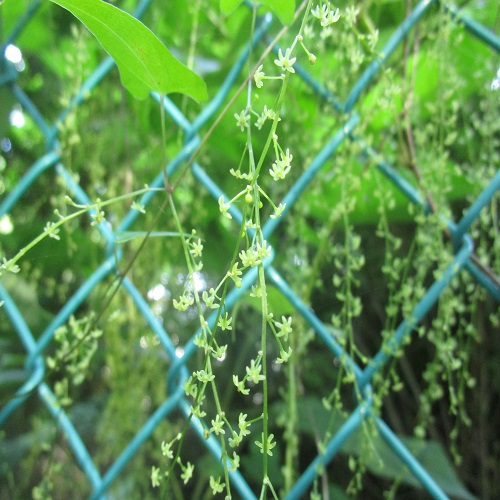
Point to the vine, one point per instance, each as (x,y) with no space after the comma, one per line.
(330,266)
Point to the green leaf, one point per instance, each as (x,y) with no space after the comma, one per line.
(145,64)
(284,9)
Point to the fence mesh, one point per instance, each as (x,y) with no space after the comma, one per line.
(176,401)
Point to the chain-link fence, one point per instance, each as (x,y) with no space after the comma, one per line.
(176,401)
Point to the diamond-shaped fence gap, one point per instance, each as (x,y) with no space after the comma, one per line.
(176,360)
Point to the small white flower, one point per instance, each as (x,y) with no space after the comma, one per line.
(278,211)
(52,231)
(269,113)
(260,121)
(137,206)
(258,77)
(351,13)
(224,207)
(326,14)
(242,119)
(284,356)
(282,166)
(196,248)
(320,11)
(285,62)
(264,250)
(332,17)
(284,328)
(372,39)
(155,476)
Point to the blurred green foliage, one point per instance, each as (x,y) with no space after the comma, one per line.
(437,85)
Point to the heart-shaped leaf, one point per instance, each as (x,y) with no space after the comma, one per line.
(145,64)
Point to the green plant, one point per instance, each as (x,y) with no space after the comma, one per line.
(355,250)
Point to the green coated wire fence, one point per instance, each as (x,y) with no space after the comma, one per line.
(176,400)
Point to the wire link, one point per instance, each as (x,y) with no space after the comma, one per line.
(50,164)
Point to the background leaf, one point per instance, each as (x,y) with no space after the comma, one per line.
(226,6)
(316,420)
(145,64)
(284,9)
